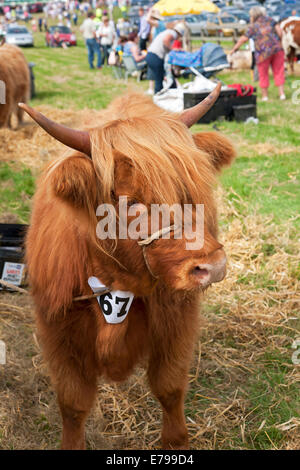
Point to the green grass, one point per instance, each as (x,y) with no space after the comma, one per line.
(267,188)
(70,83)
(17,188)
(274,400)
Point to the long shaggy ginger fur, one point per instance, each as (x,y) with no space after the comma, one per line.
(148,155)
(14,73)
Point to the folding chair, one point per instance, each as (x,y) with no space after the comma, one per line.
(131,68)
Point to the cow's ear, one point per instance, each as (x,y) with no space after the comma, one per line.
(74,180)
(218,147)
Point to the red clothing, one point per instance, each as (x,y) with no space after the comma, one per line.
(277,63)
(177,44)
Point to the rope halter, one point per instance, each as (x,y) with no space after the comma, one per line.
(154,236)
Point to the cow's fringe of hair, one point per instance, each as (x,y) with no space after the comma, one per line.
(156,148)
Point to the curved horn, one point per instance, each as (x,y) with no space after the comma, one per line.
(192,115)
(77,140)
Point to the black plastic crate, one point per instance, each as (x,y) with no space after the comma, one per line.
(12,234)
(223,107)
(243,112)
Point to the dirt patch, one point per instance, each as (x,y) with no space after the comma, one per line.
(267,149)
(9,218)
(60,79)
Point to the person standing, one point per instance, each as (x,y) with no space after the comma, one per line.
(157,26)
(88,29)
(45,24)
(75,18)
(268,50)
(106,33)
(156,22)
(144,30)
(158,50)
(40,22)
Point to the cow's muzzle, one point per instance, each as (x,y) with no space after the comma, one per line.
(213,269)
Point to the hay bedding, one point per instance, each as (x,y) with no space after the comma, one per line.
(254,310)
(31,146)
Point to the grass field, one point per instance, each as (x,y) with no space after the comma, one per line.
(244,386)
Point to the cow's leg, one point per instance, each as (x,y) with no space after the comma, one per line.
(171,351)
(7,121)
(169,389)
(291,58)
(68,346)
(169,363)
(23,97)
(174,430)
(20,114)
(75,406)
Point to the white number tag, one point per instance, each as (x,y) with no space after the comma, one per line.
(115,305)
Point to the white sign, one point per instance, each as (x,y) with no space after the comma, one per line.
(13,273)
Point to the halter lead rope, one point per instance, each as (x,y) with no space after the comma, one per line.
(144,244)
(154,236)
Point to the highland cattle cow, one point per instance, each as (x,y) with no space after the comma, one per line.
(148,289)
(15,83)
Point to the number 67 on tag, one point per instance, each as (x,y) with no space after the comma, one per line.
(115,305)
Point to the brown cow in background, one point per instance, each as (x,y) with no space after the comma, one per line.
(240,60)
(291,39)
(15,75)
(150,156)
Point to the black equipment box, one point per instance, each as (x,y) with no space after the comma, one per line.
(224,106)
(243,112)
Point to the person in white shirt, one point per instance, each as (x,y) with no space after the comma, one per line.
(159,48)
(106,33)
(88,29)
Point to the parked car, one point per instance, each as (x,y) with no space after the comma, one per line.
(65,35)
(224,25)
(242,16)
(239,4)
(251,3)
(272,5)
(143,3)
(286,11)
(133,15)
(36,7)
(20,16)
(19,36)
(171,18)
(227,10)
(197,23)
(219,3)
